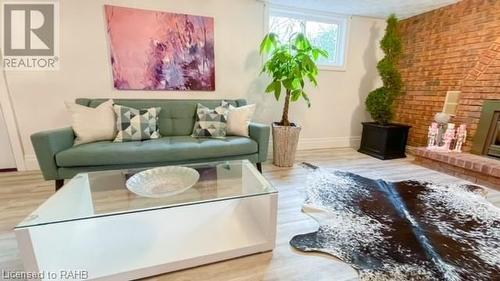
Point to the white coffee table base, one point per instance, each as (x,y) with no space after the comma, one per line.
(147,243)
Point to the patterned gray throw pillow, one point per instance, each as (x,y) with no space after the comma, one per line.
(136,124)
(211,123)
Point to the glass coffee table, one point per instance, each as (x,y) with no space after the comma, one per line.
(96,228)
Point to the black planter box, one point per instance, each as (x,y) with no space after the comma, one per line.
(384,141)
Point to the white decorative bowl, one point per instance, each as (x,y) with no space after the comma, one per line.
(162,181)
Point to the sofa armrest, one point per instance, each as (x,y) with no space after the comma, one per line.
(260,134)
(47,144)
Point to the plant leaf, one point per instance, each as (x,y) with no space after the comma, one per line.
(269,42)
(296,94)
(273,37)
(301,42)
(312,78)
(306,98)
(296,84)
(277,89)
(323,53)
(288,83)
(264,45)
(270,87)
(315,53)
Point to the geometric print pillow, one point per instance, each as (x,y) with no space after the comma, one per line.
(136,124)
(211,123)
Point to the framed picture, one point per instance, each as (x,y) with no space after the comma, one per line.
(153,50)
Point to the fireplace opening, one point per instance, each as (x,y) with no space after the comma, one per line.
(494,141)
(487,140)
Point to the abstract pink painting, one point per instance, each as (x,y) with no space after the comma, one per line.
(153,50)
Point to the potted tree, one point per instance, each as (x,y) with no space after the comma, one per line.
(383,139)
(289,64)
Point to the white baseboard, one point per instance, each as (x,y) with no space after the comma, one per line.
(333,142)
(30,162)
(323,143)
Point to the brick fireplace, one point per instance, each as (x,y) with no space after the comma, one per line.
(482,165)
(455,48)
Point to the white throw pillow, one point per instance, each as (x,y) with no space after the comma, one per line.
(238,119)
(92,124)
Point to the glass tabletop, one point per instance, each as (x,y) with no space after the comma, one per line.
(104,193)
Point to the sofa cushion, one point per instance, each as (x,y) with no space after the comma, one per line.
(175,149)
(176,117)
(210,123)
(136,124)
(92,124)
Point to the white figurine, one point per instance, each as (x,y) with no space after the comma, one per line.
(432,135)
(449,136)
(461,137)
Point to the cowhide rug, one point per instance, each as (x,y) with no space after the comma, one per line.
(405,230)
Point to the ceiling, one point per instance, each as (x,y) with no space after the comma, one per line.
(370,8)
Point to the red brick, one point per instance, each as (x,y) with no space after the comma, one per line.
(453,48)
(474,168)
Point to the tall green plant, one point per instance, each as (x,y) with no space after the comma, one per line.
(379,102)
(290,64)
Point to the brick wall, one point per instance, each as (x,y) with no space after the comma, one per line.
(453,48)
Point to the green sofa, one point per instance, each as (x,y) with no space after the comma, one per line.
(59,159)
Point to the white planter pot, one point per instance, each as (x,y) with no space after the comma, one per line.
(285,140)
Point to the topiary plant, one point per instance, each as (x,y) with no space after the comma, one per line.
(379,102)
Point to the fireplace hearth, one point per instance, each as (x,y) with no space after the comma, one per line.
(482,166)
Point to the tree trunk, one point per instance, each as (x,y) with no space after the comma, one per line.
(284,118)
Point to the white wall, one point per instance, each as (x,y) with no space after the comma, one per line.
(333,120)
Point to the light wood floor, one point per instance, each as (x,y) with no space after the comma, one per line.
(22,192)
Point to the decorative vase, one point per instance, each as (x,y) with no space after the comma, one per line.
(285,140)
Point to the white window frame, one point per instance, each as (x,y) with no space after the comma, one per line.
(312,15)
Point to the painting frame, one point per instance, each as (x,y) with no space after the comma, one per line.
(160,51)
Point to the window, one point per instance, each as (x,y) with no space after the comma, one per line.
(325,31)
